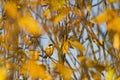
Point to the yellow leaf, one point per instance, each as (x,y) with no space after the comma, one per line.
(91,63)
(100,18)
(118,78)
(10,9)
(64,71)
(88,8)
(111,1)
(85,78)
(110,74)
(58,18)
(119,55)
(105,16)
(78,12)
(30,25)
(99,67)
(77,45)
(48,77)
(47,13)
(65,47)
(114,24)
(76,22)
(116,43)
(3,73)
(34,69)
(34,54)
(95,76)
(61,15)
(81,58)
(57,4)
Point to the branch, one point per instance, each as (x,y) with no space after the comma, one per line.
(97,3)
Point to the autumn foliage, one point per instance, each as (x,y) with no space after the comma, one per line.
(59,40)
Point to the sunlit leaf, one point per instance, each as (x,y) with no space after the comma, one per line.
(3,73)
(119,55)
(34,69)
(34,54)
(64,71)
(78,12)
(116,43)
(65,47)
(47,13)
(81,58)
(105,16)
(88,8)
(110,74)
(101,18)
(10,9)
(118,78)
(77,45)
(57,4)
(114,24)
(30,25)
(85,78)
(111,1)
(58,18)
(61,15)
(48,77)
(91,63)
(99,67)
(42,2)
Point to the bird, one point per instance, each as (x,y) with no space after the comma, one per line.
(49,49)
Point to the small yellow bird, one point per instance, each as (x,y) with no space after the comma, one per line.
(49,50)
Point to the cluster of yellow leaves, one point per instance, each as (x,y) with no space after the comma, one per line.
(116,42)
(77,45)
(110,74)
(113,23)
(34,54)
(64,71)
(30,25)
(61,15)
(112,19)
(3,73)
(35,70)
(65,47)
(10,9)
(57,4)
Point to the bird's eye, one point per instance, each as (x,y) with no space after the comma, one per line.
(50,45)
